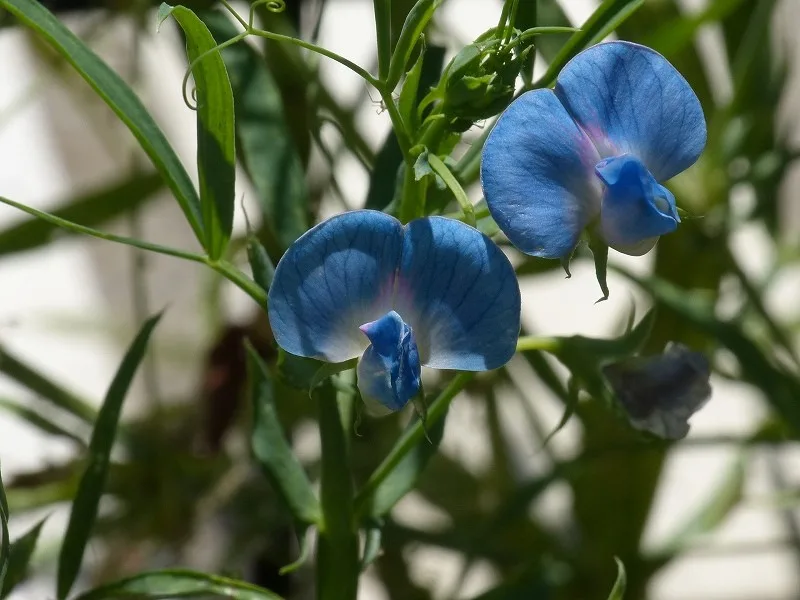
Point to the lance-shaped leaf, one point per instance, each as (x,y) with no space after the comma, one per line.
(19,558)
(272,450)
(416,21)
(119,98)
(265,144)
(216,140)
(618,591)
(178,584)
(90,489)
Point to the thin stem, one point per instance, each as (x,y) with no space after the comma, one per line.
(461,196)
(528,343)
(399,126)
(412,202)
(337,549)
(75,228)
(512,19)
(239,279)
(411,437)
(319,50)
(224,268)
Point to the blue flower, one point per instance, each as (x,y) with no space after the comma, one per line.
(591,153)
(659,393)
(435,292)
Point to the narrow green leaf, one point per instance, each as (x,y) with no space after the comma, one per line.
(90,210)
(272,451)
(260,264)
(603,21)
(90,489)
(178,583)
(383,30)
(413,27)
(19,558)
(119,97)
(409,93)
(618,591)
(267,150)
(216,139)
(5,546)
(38,420)
(405,474)
(14,368)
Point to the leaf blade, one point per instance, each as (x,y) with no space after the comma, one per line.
(418,18)
(178,583)
(90,489)
(266,148)
(272,450)
(216,140)
(19,557)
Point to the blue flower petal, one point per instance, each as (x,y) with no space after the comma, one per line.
(460,294)
(538,178)
(636,209)
(389,369)
(630,99)
(336,277)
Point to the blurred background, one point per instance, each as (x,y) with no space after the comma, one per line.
(712,517)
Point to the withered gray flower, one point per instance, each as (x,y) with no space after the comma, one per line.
(659,393)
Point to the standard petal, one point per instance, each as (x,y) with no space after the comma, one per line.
(336,277)
(629,98)
(460,295)
(537,172)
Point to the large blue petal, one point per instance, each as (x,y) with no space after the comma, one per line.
(537,172)
(460,295)
(629,99)
(336,277)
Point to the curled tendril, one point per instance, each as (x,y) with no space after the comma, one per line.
(192,104)
(275,6)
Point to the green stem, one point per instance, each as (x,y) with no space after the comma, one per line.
(383,29)
(224,268)
(319,50)
(529,343)
(412,202)
(512,19)
(412,436)
(441,169)
(337,547)
(240,280)
(399,126)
